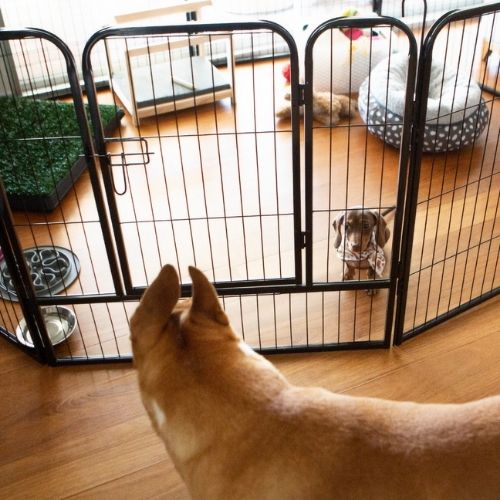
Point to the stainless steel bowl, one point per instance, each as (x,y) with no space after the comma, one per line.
(59,321)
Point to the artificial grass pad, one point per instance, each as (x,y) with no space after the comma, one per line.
(39,143)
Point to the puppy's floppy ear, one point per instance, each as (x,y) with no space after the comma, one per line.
(382,232)
(205,300)
(337,224)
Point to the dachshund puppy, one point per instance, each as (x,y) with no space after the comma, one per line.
(360,239)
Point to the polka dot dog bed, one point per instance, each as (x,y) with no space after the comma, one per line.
(456,113)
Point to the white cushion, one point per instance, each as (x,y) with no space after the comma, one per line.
(452,97)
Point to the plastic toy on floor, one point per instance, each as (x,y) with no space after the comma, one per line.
(328,108)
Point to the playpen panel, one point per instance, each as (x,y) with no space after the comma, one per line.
(55,241)
(269,323)
(45,172)
(454,259)
(349,167)
(218,185)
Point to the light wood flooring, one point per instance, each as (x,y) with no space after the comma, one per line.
(81,432)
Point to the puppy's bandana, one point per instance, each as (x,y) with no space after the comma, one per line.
(373,254)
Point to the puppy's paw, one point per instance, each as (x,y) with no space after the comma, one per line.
(371,292)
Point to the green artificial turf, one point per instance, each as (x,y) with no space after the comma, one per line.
(39,143)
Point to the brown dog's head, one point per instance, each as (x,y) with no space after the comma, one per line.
(358,226)
(190,364)
(165,330)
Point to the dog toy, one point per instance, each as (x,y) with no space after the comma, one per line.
(285,71)
(351,33)
(327,108)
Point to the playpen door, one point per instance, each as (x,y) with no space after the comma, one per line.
(356,160)
(198,177)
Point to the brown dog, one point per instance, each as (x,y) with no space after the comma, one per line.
(361,235)
(236,429)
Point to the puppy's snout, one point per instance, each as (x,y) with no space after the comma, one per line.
(356,247)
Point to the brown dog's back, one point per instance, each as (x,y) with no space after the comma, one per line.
(236,429)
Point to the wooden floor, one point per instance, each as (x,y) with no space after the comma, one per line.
(81,432)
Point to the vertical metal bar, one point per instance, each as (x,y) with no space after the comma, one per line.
(200,156)
(415,159)
(258,320)
(296,162)
(491,237)
(275,322)
(256,152)
(478,186)
(240,183)
(308,156)
(330,166)
(275,145)
(219,156)
(467,185)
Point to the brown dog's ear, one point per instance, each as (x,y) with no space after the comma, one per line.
(382,232)
(161,296)
(337,223)
(155,307)
(205,300)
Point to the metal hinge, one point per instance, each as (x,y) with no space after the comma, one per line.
(302,94)
(400,278)
(304,235)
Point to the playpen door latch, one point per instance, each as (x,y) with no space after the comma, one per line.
(128,157)
(134,151)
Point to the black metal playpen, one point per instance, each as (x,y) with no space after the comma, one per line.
(195,151)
